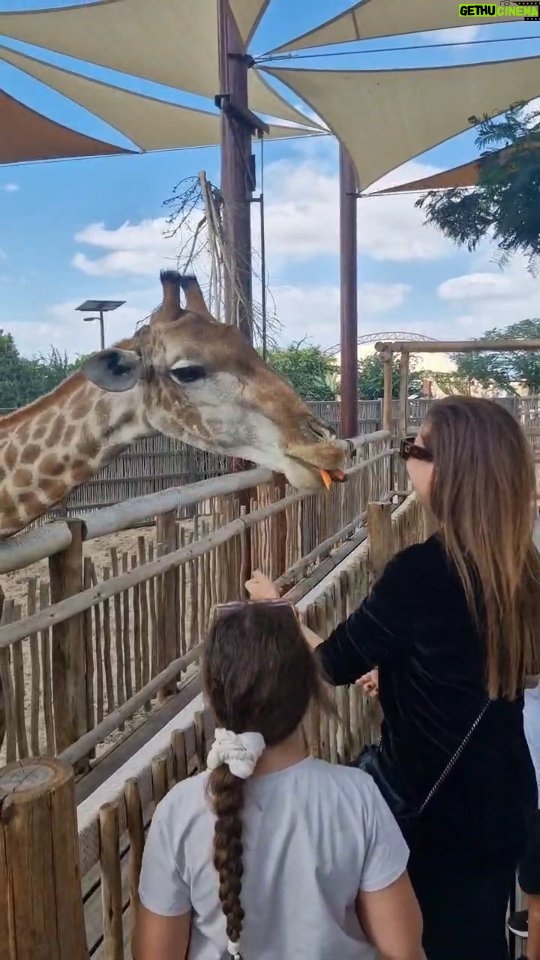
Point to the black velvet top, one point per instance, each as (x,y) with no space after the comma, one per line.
(416,627)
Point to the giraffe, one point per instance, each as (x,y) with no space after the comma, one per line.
(184,375)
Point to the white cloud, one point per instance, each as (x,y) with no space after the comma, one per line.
(136,249)
(487,298)
(302,216)
(9,187)
(302,223)
(313,311)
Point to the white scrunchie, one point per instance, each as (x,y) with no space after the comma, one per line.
(233,950)
(240,752)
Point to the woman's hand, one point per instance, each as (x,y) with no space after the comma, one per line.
(261,588)
(370,683)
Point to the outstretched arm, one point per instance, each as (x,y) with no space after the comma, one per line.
(375,634)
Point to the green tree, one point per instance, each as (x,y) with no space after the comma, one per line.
(312,373)
(23,380)
(13,373)
(371,378)
(504,205)
(504,370)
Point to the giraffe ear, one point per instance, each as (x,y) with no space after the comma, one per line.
(114,370)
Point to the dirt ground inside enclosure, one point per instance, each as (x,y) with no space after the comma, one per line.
(15,584)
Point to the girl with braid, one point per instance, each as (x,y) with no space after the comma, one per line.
(272,855)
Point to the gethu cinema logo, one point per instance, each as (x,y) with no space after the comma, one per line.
(503,9)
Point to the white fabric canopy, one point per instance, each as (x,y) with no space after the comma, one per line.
(151,124)
(173,42)
(386,117)
(248,14)
(387,18)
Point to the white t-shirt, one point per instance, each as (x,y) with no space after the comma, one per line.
(314,834)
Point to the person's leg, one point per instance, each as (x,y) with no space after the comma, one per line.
(464,913)
(529,879)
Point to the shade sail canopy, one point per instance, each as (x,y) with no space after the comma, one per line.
(248,14)
(464,175)
(149,123)
(34,137)
(172,42)
(387,18)
(386,117)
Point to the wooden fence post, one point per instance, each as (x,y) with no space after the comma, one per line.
(404,365)
(280,559)
(41,910)
(381,536)
(169,619)
(68,654)
(388,359)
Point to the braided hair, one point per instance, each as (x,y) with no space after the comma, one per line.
(259,676)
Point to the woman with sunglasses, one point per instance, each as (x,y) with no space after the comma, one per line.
(272,855)
(453,625)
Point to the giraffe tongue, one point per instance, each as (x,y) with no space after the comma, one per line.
(329,476)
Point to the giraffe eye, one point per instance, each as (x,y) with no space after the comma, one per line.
(188,374)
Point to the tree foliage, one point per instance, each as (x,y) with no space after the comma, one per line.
(505,203)
(23,380)
(312,373)
(371,378)
(504,370)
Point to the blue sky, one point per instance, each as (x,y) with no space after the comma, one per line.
(93,228)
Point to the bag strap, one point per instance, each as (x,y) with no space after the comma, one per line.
(454,759)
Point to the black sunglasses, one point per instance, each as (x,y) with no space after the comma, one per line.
(408,448)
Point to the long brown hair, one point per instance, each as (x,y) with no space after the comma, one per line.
(483,494)
(260,677)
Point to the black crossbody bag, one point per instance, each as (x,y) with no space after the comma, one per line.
(373,762)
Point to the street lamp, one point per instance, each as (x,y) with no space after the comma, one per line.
(100,307)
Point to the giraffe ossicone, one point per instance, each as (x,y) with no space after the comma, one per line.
(184,375)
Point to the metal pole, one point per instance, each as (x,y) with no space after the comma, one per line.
(349,294)
(236,173)
(263,279)
(102,329)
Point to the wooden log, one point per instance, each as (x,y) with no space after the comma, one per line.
(45,648)
(388,359)
(41,911)
(31,607)
(404,394)
(69,693)
(20,693)
(111,882)
(6,683)
(120,676)
(107,645)
(457,346)
(381,536)
(168,620)
(135,826)
(143,599)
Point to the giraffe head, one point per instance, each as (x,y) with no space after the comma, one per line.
(200,381)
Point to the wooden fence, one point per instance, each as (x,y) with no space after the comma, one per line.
(112,833)
(91,648)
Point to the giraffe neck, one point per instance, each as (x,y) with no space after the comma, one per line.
(58,442)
